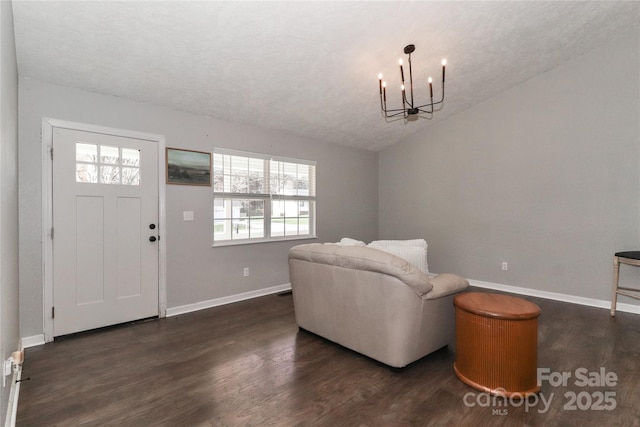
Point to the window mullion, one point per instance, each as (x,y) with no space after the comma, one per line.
(267,217)
(267,201)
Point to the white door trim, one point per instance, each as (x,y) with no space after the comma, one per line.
(48,125)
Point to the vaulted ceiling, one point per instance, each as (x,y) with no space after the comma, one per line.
(308,68)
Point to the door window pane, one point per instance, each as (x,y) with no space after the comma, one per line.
(86,173)
(109,155)
(131,176)
(130,157)
(109,175)
(86,152)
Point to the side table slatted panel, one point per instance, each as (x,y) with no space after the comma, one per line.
(497,355)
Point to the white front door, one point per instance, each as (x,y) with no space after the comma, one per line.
(105,230)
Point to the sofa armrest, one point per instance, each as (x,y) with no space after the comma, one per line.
(446,284)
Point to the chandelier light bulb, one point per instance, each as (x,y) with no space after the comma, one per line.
(380,76)
(430,80)
(444,62)
(384,84)
(400,61)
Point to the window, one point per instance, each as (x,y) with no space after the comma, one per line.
(107,165)
(257,197)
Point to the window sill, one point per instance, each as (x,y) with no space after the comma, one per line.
(256,241)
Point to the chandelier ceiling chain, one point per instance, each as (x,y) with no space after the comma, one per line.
(408,106)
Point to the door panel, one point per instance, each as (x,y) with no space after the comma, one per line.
(129,241)
(89,249)
(105,195)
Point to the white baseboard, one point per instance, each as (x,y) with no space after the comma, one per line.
(182,309)
(36,340)
(592,302)
(32,341)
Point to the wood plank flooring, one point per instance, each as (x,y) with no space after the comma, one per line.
(247,364)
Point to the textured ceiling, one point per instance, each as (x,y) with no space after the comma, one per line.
(309,68)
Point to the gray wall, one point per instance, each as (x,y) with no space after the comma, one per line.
(544,176)
(346,195)
(9,325)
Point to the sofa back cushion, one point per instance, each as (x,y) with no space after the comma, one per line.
(364,258)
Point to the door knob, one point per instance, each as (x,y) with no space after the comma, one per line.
(152,239)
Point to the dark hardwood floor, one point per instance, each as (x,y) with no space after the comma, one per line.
(247,364)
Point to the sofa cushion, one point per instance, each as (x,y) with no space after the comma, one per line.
(364,258)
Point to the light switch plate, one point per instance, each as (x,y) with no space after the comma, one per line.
(187,215)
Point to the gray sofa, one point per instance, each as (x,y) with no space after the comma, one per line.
(372,302)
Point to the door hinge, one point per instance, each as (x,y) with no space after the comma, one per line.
(53,312)
(51,152)
(51,232)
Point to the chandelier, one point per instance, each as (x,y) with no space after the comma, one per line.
(409,107)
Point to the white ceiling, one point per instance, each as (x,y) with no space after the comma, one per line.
(309,68)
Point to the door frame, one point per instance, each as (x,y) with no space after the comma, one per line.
(48,125)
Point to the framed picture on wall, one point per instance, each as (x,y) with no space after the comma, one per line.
(187,167)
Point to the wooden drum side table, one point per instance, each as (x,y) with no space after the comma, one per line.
(497,343)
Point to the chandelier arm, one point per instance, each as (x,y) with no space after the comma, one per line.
(387,115)
(394,119)
(385,112)
(431,110)
(409,104)
(394,110)
(410,81)
(406,102)
(431,104)
(404,99)
(398,111)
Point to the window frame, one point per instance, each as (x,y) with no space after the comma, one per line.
(268,196)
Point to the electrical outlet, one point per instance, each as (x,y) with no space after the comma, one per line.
(505,266)
(246,271)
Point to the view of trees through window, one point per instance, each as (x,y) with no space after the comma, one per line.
(102,164)
(260,197)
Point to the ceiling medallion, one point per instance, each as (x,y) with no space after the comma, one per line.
(409,108)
